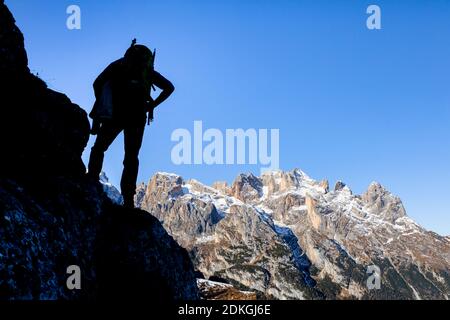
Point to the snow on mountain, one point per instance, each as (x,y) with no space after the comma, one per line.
(213,290)
(285,235)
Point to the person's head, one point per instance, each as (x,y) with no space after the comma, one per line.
(139,55)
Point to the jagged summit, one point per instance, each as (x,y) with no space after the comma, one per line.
(380,201)
(285,235)
(248,187)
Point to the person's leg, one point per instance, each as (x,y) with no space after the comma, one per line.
(133,142)
(96,125)
(106,135)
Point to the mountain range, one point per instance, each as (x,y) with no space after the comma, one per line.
(284,235)
(279,236)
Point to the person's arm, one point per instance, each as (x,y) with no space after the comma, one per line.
(165,85)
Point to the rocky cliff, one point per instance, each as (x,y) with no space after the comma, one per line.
(286,236)
(52,217)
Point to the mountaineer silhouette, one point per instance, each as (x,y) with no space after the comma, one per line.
(124,103)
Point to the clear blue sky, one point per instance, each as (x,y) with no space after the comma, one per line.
(350,103)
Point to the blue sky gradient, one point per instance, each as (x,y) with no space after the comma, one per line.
(350,103)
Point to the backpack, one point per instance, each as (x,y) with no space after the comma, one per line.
(103,106)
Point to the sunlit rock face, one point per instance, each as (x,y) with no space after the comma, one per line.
(285,235)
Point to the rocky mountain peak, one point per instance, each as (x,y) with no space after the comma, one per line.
(222,186)
(300,174)
(141,190)
(110,190)
(325,185)
(279,181)
(247,187)
(379,200)
(284,235)
(339,186)
(166,182)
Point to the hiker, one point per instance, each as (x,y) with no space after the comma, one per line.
(124,103)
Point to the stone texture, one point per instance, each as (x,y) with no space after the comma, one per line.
(52,216)
(285,236)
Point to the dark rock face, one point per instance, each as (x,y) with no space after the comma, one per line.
(12,53)
(153,265)
(42,132)
(122,254)
(52,216)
